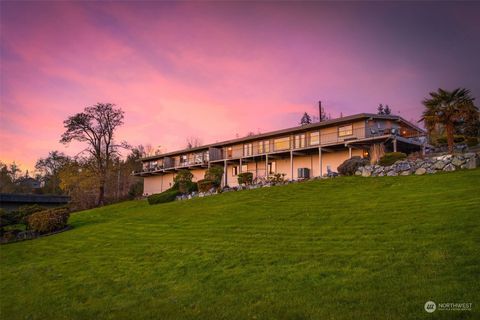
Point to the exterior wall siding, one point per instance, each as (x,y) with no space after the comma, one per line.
(157,184)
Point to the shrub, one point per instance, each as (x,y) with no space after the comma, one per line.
(183,180)
(6,218)
(214,174)
(472,141)
(277,178)
(391,157)
(456,139)
(245,178)
(48,220)
(20,215)
(349,166)
(136,190)
(25,211)
(205,185)
(166,196)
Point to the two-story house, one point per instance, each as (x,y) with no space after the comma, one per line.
(299,152)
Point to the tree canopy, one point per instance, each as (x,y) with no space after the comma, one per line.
(448,108)
(96,126)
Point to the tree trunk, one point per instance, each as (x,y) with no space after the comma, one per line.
(101,189)
(101,194)
(450,138)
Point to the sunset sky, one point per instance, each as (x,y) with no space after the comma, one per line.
(217,69)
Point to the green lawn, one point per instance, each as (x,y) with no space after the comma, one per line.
(347,248)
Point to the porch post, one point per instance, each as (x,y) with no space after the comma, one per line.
(394,145)
(291,164)
(240,169)
(266,166)
(423,150)
(350,152)
(224,173)
(320,161)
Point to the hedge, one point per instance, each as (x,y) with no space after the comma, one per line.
(214,174)
(349,166)
(48,220)
(391,157)
(205,185)
(245,178)
(166,196)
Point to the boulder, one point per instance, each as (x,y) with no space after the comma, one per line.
(445,157)
(420,171)
(449,167)
(402,166)
(358,173)
(392,173)
(457,161)
(471,163)
(405,173)
(439,165)
(367,171)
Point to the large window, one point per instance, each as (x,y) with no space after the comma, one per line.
(229,152)
(236,169)
(281,144)
(345,130)
(247,149)
(314,138)
(300,141)
(264,146)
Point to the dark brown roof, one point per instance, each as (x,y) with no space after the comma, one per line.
(301,128)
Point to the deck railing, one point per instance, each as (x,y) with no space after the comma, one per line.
(281,144)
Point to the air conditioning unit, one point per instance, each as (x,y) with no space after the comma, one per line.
(303,173)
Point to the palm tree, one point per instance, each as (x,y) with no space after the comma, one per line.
(448,108)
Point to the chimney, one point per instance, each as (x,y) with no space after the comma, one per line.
(319,111)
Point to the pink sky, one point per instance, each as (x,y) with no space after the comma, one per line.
(214,70)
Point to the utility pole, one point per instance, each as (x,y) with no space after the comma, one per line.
(319,111)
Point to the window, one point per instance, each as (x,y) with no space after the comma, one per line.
(272,168)
(281,144)
(300,141)
(264,146)
(229,152)
(236,169)
(314,138)
(247,149)
(345,130)
(198,157)
(183,159)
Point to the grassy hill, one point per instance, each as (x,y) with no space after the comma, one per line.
(349,248)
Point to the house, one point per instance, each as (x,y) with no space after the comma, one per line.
(300,152)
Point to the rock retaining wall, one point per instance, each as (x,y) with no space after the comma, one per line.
(422,166)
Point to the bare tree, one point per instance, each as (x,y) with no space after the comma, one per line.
(50,166)
(193,142)
(96,126)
